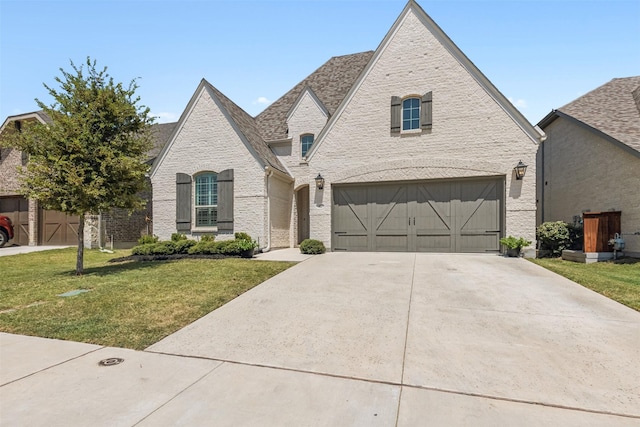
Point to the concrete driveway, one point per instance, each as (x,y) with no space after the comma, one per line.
(361,339)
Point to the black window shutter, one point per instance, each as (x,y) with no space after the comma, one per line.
(225,202)
(396,114)
(183,202)
(426,111)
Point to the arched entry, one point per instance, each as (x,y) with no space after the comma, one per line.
(302,204)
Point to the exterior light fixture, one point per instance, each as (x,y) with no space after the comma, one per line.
(520,169)
(319,182)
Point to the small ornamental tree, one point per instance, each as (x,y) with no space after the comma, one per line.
(91,156)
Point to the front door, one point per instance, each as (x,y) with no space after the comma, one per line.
(302,203)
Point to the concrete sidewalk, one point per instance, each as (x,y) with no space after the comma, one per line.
(356,339)
(17,249)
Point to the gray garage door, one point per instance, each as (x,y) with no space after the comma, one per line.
(426,216)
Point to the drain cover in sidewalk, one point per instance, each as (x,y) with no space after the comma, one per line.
(111,361)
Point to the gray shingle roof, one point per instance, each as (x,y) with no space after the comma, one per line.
(330,83)
(613,108)
(247,126)
(161,133)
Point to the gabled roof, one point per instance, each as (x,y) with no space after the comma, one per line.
(239,119)
(612,109)
(38,115)
(330,83)
(311,93)
(246,125)
(160,131)
(412,7)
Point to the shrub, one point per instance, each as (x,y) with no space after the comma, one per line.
(513,243)
(146,239)
(176,237)
(312,247)
(556,236)
(164,248)
(207,238)
(159,248)
(142,249)
(242,236)
(204,247)
(183,246)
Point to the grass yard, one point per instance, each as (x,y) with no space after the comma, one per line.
(618,280)
(131,304)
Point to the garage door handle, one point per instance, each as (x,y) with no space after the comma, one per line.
(491,231)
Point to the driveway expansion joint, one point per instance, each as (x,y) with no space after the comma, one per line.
(391,383)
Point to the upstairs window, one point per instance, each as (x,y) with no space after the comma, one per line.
(411,114)
(306,142)
(206,198)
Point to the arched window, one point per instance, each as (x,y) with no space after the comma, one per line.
(306,142)
(411,114)
(206,198)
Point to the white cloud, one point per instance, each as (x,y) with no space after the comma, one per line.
(262,101)
(519,103)
(165,117)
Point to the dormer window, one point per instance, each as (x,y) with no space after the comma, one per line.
(306,141)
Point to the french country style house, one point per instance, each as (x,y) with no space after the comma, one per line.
(406,148)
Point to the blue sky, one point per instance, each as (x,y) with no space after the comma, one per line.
(541,54)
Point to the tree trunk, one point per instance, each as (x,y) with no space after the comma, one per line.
(80,258)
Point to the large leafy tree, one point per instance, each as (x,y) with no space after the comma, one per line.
(91,156)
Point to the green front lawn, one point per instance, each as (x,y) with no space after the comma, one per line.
(130,304)
(619,280)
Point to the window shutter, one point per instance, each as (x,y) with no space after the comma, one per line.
(426,112)
(183,202)
(396,114)
(225,202)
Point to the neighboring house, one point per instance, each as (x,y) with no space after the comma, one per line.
(37,226)
(590,161)
(415,146)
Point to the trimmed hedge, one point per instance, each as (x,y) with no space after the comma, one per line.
(312,247)
(180,245)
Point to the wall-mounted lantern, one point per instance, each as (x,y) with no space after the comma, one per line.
(520,169)
(319,182)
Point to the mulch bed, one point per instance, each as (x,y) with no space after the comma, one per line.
(170,257)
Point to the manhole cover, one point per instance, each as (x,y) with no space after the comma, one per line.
(110,361)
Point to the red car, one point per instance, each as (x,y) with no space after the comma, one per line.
(6,230)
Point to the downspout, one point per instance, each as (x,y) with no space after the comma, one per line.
(268,172)
(542,179)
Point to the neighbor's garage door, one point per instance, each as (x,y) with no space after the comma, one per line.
(17,208)
(426,216)
(57,228)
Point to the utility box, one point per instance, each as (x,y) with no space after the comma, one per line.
(599,228)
